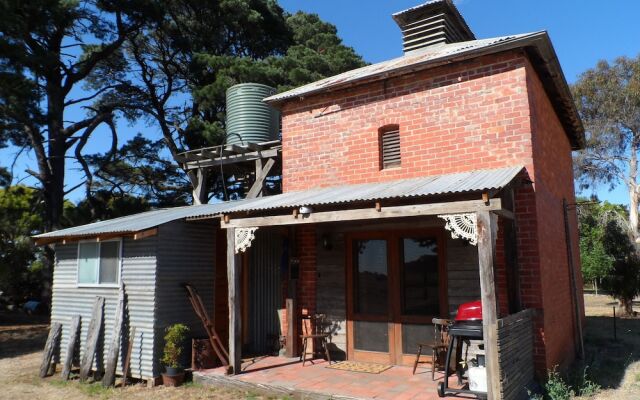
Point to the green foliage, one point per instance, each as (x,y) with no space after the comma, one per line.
(103,205)
(174,338)
(137,168)
(597,263)
(20,261)
(608,100)
(558,388)
(608,251)
(311,50)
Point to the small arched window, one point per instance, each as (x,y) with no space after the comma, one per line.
(389,146)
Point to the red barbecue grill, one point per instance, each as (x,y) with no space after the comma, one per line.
(467,325)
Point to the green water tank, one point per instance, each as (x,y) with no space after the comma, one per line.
(249,119)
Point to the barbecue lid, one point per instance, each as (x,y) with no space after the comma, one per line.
(471,311)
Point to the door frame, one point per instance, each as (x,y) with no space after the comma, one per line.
(394,318)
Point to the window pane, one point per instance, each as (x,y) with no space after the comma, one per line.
(371,336)
(371,277)
(87,263)
(420,294)
(109,262)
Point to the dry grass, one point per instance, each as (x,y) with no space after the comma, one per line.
(21,343)
(614,364)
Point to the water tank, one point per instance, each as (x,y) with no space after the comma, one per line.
(249,119)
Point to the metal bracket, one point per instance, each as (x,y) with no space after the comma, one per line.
(462,226)
(244,237)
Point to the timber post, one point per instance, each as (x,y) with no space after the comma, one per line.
(487,232)
(235,307)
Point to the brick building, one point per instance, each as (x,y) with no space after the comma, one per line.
(410,187)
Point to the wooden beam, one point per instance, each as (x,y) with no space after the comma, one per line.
(234,277)
(91,342)
(53,340)
(487,233)
(74,330)
(232,159)
(366,213)
(291,337)
(238,149)
(505,214)
(485,197)
(145,234)
(258,185)
(127,358)
(255,146)
(109,378)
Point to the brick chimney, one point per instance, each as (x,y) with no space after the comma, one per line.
(431,24)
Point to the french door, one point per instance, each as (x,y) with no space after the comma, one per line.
(396,284)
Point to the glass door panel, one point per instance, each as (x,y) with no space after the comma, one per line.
(371,295)
(396,285)
(371,277)
(420,292)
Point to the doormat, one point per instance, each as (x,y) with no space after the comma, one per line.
(354,366)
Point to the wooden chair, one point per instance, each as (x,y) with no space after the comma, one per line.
(438,346)
(314,330)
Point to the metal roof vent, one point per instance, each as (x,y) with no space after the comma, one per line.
(430,24)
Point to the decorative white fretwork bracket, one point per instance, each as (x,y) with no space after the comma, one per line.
(462,226)
(244,237)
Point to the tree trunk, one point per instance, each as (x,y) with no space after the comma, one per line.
(633,191)
(53,185)
(626,307)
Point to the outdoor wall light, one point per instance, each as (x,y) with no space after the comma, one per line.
(306,210)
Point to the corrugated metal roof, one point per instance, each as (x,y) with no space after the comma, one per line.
(424,56)
(136,222)
(465,182)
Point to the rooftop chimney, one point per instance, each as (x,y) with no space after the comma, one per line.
(430,24)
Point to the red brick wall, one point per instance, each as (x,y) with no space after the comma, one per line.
(451,119)
(488,113)
(553,181)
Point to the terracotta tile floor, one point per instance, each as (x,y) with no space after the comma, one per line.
(280,376)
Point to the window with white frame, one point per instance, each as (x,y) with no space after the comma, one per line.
(98,262)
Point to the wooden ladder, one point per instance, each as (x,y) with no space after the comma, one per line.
(201,312)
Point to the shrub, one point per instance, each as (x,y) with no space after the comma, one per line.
(556,388)
(174,339)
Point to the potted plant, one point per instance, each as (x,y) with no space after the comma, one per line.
(174,338)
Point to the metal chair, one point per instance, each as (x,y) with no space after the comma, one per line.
(438,346)
(314,330)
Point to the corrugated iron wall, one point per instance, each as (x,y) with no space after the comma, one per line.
(152,270)
(265,294)
(139,275)
(186,254)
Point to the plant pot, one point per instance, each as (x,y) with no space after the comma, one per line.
(173,370)
(173,380)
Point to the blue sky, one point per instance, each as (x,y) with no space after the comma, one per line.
(582,31)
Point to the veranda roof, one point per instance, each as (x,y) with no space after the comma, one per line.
(423,187)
